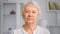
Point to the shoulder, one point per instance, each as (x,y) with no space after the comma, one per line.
(44,30)
(17,31)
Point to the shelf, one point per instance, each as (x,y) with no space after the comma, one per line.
(8,15)
(53,11)
(55,26)
(8,7)
(8,20)
(53,5)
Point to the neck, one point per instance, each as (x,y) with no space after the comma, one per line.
(30,26)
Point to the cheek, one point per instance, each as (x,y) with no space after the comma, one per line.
(25,15)
(35,16)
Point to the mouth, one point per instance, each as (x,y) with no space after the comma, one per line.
(29,18)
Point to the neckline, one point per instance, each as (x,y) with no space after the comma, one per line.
(27,32)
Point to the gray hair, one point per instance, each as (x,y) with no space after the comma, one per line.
(33,3)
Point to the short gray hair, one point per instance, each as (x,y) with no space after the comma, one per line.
(33,3)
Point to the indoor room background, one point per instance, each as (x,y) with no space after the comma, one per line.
(10,16)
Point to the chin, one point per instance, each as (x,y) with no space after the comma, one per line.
(30,21)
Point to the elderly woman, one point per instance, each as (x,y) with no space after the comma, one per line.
(30,13)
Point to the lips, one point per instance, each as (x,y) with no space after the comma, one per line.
(30,18)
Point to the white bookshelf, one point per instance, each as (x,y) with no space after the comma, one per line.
(53,19)
(7,20)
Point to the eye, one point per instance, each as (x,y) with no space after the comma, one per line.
(26,11)
(33,12)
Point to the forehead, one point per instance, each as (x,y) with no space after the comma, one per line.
(30,6)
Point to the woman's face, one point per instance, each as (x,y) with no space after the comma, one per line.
(30,13)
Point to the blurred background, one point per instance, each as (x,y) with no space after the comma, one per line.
(10,15)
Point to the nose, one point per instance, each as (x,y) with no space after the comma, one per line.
(30,15)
